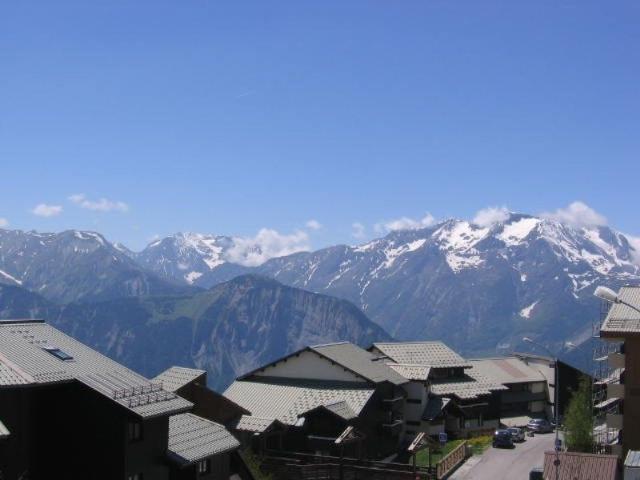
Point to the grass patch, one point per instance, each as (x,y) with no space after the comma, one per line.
(480,444)
(422,458)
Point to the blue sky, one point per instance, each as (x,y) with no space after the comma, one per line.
(229,117)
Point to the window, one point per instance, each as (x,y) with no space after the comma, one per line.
(134,431)
(414,400)
(56,352)
(204,466)
(134,476)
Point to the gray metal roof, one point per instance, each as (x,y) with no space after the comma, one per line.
(411,372)
(250,423)
(342,409)
(4,431)
(359,361)
(175,378)
(288,399)
(506,370)
(192,438)
(633,459)
(26,361)
(623,319)
(474,384)
(432,354)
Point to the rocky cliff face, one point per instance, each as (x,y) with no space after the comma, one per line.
(234,327)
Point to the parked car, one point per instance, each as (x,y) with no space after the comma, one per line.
(539,425)
(517,434)
(503,439)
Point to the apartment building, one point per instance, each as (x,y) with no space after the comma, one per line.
(67,411)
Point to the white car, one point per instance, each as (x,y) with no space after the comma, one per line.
(517,434)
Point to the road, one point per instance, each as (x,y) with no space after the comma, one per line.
(505,464)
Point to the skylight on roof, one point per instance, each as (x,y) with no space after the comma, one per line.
(62,355)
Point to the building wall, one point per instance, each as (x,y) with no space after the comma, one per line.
(15,451)
(631,406)
(309,365)
(70,432)
(219,470)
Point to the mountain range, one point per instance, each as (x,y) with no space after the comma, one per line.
(478,287)
(227,330)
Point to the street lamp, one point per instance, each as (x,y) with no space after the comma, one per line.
(612,297)
(555,388)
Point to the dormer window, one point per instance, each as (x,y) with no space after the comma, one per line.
(62,355)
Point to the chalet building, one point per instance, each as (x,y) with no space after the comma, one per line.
(67,411)
(388,394)
(622,326)
(526,395)
(444,393)
(305,401)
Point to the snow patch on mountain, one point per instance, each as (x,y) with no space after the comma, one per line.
(526,311)
(458,240)
(192,277)
(11,278)
(514,233)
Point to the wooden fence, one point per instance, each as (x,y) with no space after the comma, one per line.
(451,461)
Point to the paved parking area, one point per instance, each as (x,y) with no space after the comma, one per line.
(505,464)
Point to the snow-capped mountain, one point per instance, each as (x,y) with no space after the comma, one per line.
(476,287)
(192,258)
(74,265)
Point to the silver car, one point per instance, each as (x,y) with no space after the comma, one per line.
(517,434)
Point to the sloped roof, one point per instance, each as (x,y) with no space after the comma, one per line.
(25,352)
(432,354)
(411,372)
(341,408)
(192,438)
(269,398)
(359,361)
(621,318)
(585,466)
(174,378)
(507,370)
(250,423)
(474,384)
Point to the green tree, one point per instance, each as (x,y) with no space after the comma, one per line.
(578,420)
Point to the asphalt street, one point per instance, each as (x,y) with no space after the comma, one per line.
(514,464)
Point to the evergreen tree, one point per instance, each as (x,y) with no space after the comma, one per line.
(578,419)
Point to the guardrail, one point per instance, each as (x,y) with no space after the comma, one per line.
(451,461)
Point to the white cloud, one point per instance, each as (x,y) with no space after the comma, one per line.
(358,230)
(405,223)
(44,210)
(314,224)
(268,243)
(577,214)
(491,215)
(4,222)
(100,205)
